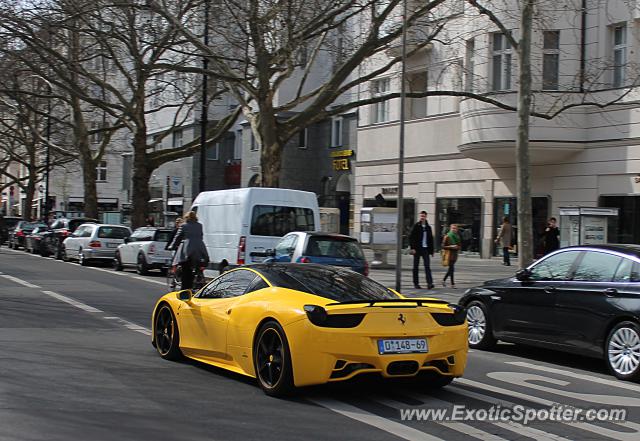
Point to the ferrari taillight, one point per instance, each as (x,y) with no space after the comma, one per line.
(95,244)
(241,249)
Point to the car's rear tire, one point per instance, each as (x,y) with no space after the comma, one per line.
(480,333)
(141,266)
(117,263)
(63,255)
(81,259)
(166,334)
(622,351)
(272,360)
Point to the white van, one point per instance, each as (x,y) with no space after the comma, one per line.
(240,224)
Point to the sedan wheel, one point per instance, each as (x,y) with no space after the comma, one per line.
(167,337)
(117,263)
(480,332)
(81,259)
(63,255)
(272,360)
(623,351)
(142,268)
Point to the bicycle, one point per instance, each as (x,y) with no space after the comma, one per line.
(174,277)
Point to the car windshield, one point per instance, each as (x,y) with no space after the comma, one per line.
(327,246)
(325,281)
(113,233)
(75,223)
(162,236)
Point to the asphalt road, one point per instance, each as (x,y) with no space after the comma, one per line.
(76,363)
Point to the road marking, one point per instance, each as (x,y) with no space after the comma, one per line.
(392,427)
(525,380)
(19,281)
(130,325)
(453,425)
(509,393)
(71,301)
(615,434)
(620,384)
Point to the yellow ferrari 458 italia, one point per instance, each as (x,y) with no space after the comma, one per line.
(291,325)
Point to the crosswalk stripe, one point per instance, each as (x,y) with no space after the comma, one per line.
(622,385)
(453,425)
(615,434)
(389,426)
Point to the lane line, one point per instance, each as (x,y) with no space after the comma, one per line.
(71,301)
(506,392)
(389,426)
(634,435)
(453,425)
(620,384)
(19,281)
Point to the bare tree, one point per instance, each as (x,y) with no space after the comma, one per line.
(114,57)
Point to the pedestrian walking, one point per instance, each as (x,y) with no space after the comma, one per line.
(504,240)
(177,224)
(191,250)
(551,236)
(450,249)
(151,222)
(421,243)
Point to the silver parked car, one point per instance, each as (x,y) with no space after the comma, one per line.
(94,242)
(144,249)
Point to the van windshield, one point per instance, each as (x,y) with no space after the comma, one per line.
(273,220)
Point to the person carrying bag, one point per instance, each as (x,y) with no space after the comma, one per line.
(450,248)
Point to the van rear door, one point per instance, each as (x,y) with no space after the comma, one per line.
(269,223)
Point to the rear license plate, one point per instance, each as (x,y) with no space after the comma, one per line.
(112,245)
(403,346)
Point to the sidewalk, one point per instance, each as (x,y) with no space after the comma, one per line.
(470,271)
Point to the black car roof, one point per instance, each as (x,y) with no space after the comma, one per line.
(631,249)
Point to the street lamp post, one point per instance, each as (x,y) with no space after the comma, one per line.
(205,104)
(400,205)
(47,165)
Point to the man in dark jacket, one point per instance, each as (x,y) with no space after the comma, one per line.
(190,248)
(421,243)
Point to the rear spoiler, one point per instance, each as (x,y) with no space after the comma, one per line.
(391,302)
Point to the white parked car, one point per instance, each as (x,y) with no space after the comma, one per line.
(94,242)
(144,249)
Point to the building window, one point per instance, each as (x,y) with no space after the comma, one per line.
(213,152)
(469,65)
(237,145)
(550,59)
(254,143)
(501,78)
(381,109)
(416,82)
(177,139)
(303,138)
(101,172)
(619,54)
(336,132)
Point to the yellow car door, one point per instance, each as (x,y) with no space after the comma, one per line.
(203,320)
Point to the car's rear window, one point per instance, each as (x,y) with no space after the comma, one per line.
(162,236)
(272,220)
(113,233)
(327,246)
(328,282)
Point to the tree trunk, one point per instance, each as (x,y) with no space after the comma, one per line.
(271,146)
(89,177)
(29,194)
(523,169)
(142,170)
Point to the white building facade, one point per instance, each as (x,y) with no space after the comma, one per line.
(460,153)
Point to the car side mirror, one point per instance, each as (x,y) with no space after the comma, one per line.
(523,274)
(185,295)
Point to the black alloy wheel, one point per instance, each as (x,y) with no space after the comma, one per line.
(141,267)
(166,335)
(272,360)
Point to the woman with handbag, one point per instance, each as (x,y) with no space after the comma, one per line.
(450,248)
